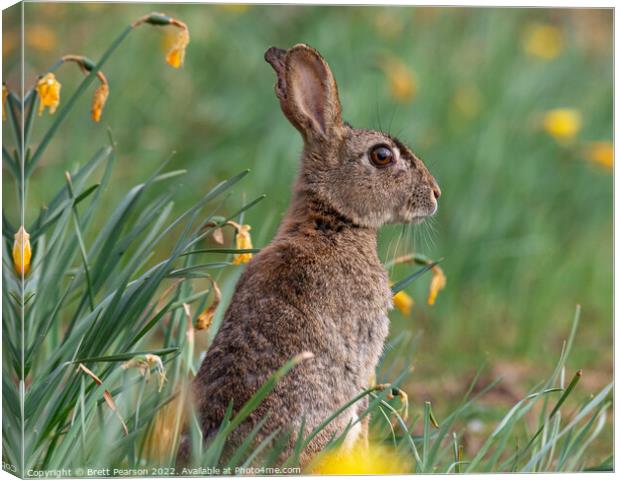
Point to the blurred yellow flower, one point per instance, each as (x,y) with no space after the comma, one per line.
(543,41)
(403,302)
(387,24)
(22,252)
(235,7)
(438,283)
(563,124)
(376,459)
(163,437)
(48,89)
(243,241)
(99,98)
(402,79)
(176,54)
(601,153)
(40,38)
(5,93)
(467,101)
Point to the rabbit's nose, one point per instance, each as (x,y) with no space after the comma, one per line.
(436,191)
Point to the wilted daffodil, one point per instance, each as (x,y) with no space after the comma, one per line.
(144,363)
(403,302)
(563,124)
(243,241)
(99,98)
(176,54)
(48,89)
(22,252)
(204,320)
(438,283)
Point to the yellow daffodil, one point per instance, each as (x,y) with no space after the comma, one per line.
(144,363)
(204,320)
(377,459)
(5,93)
(403,302)
(402,80)
(99,98)
(22,252)
(543,41)
(243,241)
(438,283)
(48,89)
(601,153)
(563,124)
(176,53)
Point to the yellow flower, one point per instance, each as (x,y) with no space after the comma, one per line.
(563,124)
(40,38)
(402,80)
(48,89)
(467,101)
(543,41)
(438,283)
(99,98)
(235,7)
(403,302)
(243,241)
(5,93)
(204,320)
(22,252)
(176,54)
(601,153)
(376,459)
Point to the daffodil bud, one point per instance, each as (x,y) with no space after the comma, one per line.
(99,98)
(22,252)
(438,283)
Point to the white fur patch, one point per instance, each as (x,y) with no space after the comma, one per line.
(354,432)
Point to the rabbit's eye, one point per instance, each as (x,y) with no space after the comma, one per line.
(381,156)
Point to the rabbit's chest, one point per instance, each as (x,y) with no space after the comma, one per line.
(359,323)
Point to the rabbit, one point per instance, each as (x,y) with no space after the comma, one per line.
(319,286)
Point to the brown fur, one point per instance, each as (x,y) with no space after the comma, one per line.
(319,286)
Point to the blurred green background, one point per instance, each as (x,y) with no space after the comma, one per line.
(525,219)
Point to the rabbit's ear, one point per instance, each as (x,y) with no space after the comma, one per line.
(307,91)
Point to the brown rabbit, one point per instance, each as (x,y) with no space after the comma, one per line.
(319,287)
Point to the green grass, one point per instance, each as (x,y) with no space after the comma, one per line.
(524,226)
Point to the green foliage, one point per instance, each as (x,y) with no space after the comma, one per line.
(115,264)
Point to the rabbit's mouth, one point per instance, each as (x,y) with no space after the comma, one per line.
(418,213)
